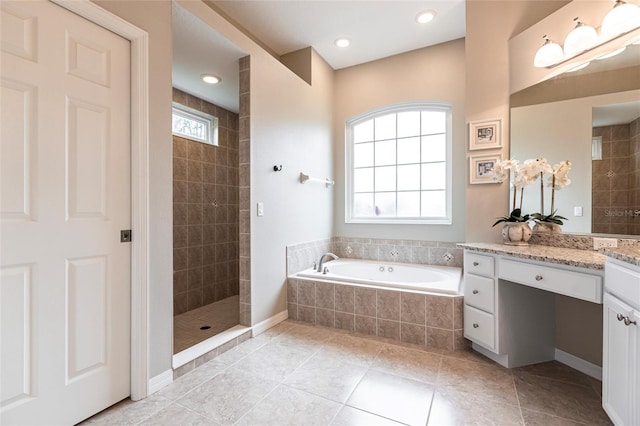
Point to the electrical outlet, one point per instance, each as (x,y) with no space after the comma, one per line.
(599,243)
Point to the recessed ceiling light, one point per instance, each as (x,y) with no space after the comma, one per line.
(425,16)
(211,79)
(343,42)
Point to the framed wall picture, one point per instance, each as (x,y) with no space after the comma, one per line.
(485,134)
(480,166)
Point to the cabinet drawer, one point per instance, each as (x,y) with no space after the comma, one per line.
(571,283)
(478,264)
(479,292)
(479,327)
(623,282)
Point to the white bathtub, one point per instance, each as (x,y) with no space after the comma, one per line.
(423,278)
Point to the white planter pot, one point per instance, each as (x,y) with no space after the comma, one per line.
(516,233)
(547,227)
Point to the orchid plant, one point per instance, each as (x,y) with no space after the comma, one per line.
(557,178)
(522,177)
(526,174)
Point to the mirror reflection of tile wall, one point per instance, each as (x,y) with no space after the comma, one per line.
(616,180)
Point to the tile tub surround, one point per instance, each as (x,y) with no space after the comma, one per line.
(422,319)
(303,256)
(206,214)
(327,376)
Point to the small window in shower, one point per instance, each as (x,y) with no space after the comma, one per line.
(195,125)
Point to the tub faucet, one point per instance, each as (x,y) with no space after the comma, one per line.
(322,260)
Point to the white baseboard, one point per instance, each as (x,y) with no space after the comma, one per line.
(161,380)
(263,326)
(579,364)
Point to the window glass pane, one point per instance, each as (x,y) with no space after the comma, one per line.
(434,148)
(385,127)
(409,204)
(385,153)
(408,150)
(409,177)
(363,155)
(385,204)
(433,176)
(408,124)
(386,178)
(433,122)
(363,180)
(363,205)
(434,204)
(363,132)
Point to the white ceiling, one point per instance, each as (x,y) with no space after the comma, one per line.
(610,115)
(377,29)
(197,50)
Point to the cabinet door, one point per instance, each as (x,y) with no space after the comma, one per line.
(635,359)
(617,361)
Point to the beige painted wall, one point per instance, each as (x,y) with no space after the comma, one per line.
(490,25)
(431,74)
(155,18)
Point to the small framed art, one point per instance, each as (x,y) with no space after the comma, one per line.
(480,166)
(485,134)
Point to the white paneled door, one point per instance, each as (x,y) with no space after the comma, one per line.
(65,196)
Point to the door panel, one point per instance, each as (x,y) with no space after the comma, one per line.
(65,157)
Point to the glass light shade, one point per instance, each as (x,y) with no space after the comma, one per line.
(581,38)
(550,53)
(612,54)
(622,18)
(579,67)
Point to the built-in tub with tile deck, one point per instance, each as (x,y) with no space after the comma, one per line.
(419,304)
(425,278)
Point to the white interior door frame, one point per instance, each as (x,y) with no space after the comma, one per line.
(139,182)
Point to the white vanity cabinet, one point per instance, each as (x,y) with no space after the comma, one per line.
(621,349)
(509,304)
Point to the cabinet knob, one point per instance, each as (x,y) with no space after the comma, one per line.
(475,291)
(475,263)
(475,325)
(628,321)
(620,317)
(538,277)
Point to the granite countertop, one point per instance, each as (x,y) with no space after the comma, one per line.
(564,256)
(626,254)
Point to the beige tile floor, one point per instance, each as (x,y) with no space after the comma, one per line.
(220,316)
(299,374)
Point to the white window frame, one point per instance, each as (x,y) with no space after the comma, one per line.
(398,108)
(210,122)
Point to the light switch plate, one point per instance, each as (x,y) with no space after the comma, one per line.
(260,209)
(577,211)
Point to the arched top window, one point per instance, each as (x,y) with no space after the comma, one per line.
(398,165)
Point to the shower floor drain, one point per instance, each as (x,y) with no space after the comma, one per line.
(205,327)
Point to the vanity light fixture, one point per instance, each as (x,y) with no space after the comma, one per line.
(581,38)
(343,42)
(550,53)
(211,79)
(425,16)
(622,18)
(579,67)
(612,54)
